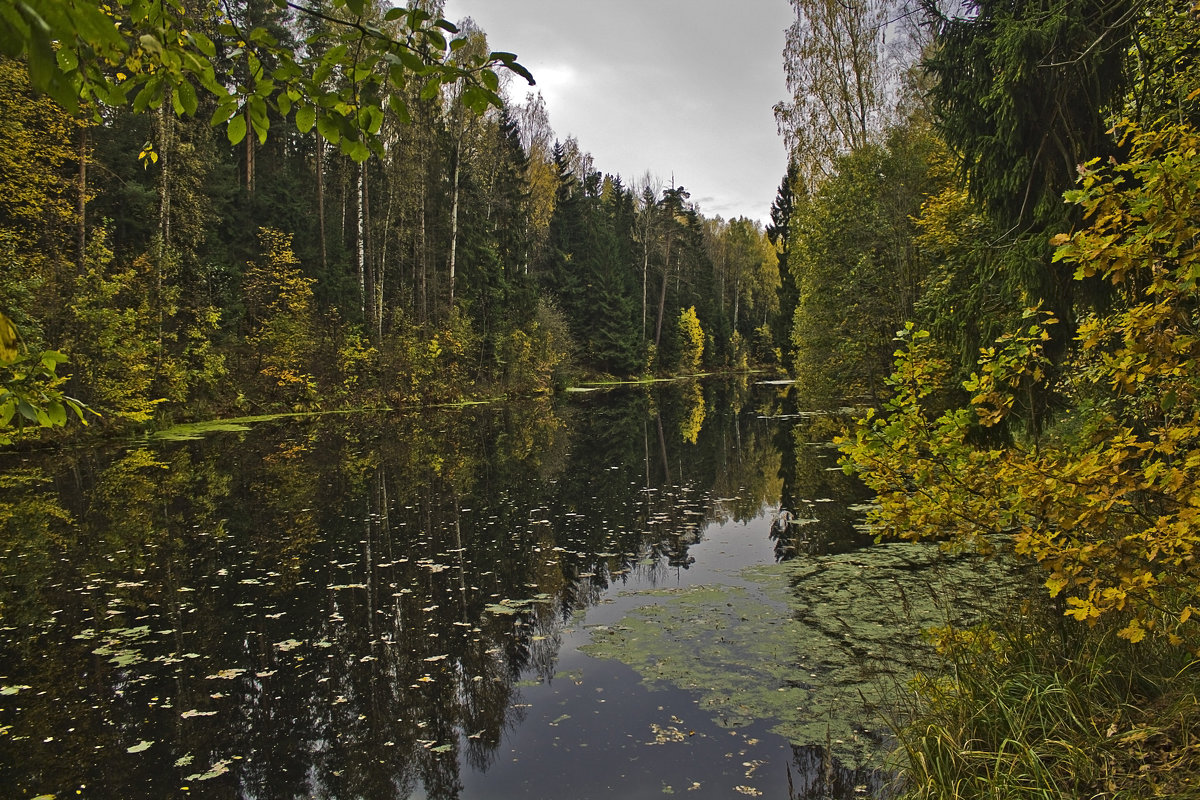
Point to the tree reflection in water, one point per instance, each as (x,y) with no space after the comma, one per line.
(345,606)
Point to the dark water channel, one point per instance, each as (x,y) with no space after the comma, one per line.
(594,598)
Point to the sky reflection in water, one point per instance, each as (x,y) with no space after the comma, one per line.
(393,606)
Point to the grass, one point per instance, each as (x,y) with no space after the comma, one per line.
(1039,707)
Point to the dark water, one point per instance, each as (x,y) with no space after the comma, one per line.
(392,606)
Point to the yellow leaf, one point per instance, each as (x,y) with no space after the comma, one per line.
(1134,632)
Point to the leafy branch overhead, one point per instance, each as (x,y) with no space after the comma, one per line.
(342,80)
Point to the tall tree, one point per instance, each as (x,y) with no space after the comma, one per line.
(778,231)
(835,64)
(1022,92)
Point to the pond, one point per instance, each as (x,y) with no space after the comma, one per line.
(630,593)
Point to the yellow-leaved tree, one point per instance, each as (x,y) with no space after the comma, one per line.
(1106,496)
(691,335)
(282,337)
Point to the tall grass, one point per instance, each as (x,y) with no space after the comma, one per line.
(1038,707)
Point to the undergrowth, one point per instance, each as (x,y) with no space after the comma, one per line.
(1041,707)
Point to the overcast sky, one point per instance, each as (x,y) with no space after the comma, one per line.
(670,86)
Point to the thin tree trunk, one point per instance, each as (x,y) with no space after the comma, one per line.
(662,298)
(166,151)
(382,270)
(249,154)
(321,201)
(645,281)
(422,277)
(82,230)
(454,221)
(164,188)
(737,283)
(369,260)
(360,248)
(345,202)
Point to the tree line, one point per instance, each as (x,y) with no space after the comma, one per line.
(990,227)
(380,230)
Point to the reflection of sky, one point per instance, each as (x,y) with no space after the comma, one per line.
(302,606)
(596,731)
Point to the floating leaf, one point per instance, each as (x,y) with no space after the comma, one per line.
(219,768)
(496,608)
(141,746)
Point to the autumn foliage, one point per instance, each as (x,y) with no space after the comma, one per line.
(1104,496)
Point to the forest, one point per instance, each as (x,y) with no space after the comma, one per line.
(994,230)
(987,240)
(165,259)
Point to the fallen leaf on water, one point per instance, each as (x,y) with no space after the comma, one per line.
(219,768)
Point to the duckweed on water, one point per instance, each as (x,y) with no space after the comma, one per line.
(818,645)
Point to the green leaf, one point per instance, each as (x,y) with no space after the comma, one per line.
(328,128)
(374,119)
(306,117)
(226,108)
(412,61)
(67,60)
(185,98)
(203,44)
(237,129)
(356,149)
(57,414)
(400,109)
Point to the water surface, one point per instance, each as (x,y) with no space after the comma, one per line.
(490,602)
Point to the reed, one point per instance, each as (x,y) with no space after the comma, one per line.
(1035,707)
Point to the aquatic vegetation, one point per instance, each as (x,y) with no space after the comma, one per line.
(821,645)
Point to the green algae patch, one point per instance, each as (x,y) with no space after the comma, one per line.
(198,430)
(818,647)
